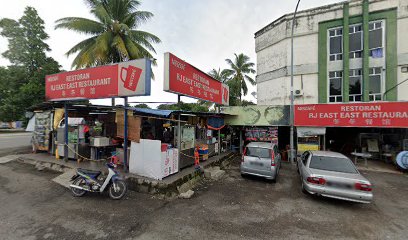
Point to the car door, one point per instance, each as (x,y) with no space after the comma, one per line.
(258,159)
(303,164)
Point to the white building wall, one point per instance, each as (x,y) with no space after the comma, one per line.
(402,49)
(273,51)
(273,91)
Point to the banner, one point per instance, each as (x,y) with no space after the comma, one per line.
(184,79)
(376,114)
(256,115)
(118,80)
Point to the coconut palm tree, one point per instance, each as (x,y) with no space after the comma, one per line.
(114,35)
(239,70)
(220,75)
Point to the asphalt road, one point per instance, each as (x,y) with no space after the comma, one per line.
(33,207)
(14,142)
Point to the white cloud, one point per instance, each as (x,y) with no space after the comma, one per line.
(203,33)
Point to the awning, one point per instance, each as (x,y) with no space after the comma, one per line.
(310,131)
(215,123)
(152,112)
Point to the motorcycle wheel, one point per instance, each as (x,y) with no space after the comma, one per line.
(78,192)
(120,187)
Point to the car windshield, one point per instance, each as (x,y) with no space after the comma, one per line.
(332,164)
(258,152)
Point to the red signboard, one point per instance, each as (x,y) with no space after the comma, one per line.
(378,114)
(183,78)
(123,79)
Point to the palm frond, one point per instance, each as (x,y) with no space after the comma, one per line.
(102,14)
(132,48)
(244,87)
(83,59)
(120,46)
(144,38)
(102,46)
(135,19)
(81,45)
(81,25)
(250,80)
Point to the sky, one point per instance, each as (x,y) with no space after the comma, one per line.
(201,32)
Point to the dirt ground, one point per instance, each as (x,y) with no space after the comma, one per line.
(34,207)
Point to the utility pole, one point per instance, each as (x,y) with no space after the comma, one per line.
(292,114)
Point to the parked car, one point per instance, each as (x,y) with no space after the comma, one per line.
(331,174)
(261,159)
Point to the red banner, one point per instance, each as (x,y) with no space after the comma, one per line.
(123,79)
(183,78)
(378,114)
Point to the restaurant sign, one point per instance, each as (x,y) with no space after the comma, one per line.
(182,78)
(378,114)
(130,78)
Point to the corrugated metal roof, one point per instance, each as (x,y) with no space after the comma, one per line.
(152,112)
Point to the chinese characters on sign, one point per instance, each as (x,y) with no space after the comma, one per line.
(123,79)
(386,114)
(182,78)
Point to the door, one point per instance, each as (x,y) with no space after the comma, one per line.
(303,162)
(258,159)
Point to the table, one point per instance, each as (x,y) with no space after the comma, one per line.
(388,157)
(364,156)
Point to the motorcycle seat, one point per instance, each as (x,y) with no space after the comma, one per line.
(89,172)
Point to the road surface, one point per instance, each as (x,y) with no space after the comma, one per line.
(14,142)
(34,207)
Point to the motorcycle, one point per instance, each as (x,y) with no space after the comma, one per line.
(90,181)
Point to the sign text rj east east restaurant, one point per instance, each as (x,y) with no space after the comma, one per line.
(182,78)
(378,114)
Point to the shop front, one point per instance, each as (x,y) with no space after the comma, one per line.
(169,138)
(373,131)
(259,123)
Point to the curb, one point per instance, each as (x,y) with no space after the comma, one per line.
(141,184)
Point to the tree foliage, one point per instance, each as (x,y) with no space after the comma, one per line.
(142,105)
(114,35)
(192,107)
(23,83)
(239,69)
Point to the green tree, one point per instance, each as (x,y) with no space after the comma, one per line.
(23,82)
(193,107)
(114,35)
(142,105)
(240,67)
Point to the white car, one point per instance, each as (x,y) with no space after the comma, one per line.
(261,159)
(331,174)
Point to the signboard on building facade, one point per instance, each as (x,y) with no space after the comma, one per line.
(257,115)
(130,78)
(376,114)
(182,78)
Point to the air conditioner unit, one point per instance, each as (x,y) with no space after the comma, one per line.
(298,92)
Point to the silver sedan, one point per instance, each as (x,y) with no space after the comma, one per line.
(333,175)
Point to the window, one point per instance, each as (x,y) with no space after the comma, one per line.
(355,91)
(356,41)
(375,84)
(258,152)
(375,42)
(336,164)
(305,156)
(336,44)
(335,86)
